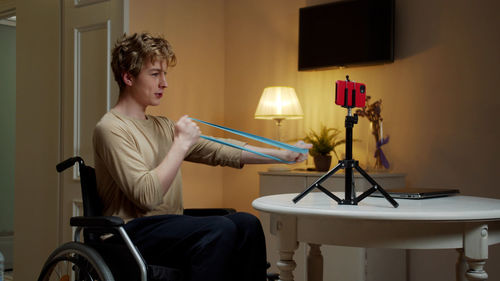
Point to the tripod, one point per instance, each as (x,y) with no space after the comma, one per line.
(348,164)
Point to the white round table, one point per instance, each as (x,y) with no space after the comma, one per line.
(469,224)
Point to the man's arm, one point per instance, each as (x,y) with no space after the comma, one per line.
(287,155)
(186,135)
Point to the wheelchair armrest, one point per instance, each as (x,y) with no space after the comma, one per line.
(101,221)
(205,212)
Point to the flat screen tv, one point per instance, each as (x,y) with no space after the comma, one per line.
(346,33)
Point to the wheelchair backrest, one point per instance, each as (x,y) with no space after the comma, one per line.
(92,204)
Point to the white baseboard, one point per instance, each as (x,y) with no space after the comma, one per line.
(7,249)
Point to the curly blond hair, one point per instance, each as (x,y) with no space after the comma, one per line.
(130,52)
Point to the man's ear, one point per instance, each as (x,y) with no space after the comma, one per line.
(127,78)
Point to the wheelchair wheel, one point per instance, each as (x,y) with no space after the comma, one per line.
(75,261)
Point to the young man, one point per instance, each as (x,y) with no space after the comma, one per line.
(138,159)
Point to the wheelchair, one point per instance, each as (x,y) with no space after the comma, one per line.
(115,258)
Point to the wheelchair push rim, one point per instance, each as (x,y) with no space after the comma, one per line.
(75,261)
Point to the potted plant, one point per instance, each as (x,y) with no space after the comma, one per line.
(323,143)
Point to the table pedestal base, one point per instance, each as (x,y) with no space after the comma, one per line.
(286,265)
(314,263)
(476,250)
(476,270)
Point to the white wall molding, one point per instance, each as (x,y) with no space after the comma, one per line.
(7,249)
(77,64)
(80,3)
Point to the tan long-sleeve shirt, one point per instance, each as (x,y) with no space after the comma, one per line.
(126,153)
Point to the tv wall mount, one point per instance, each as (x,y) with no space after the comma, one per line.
(348,164)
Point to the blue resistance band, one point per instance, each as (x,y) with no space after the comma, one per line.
(253,137)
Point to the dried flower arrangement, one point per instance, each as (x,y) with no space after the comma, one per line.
(373,113)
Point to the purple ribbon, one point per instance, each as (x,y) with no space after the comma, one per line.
(381,154)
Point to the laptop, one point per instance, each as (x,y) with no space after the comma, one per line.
(417,193)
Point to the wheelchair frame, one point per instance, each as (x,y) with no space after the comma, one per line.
(98,225)
(93,219)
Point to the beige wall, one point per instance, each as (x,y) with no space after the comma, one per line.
(36,193)
(446,63)
(261,47)
(439,97)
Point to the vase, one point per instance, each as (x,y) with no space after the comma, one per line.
(322,162)
(376,156)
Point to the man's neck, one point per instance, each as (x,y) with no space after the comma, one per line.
(130,108)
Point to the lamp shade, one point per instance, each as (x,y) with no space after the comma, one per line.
(279,103)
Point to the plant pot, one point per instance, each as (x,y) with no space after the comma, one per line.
(322,162)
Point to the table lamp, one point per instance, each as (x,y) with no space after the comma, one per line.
(278,104)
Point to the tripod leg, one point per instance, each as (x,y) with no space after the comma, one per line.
(331,195)
(318,182)
(375,187)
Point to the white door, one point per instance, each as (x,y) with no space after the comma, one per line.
(90,29)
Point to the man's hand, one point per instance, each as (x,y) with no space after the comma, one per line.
(186,132)
(295,156)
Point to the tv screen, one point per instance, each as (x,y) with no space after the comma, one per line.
(356,32)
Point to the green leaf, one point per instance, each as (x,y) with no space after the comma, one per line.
(324,142)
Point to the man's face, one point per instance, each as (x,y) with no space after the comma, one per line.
(147,88)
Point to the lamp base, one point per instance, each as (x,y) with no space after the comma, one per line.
(279,168)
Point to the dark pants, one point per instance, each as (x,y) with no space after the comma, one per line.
(215,248)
